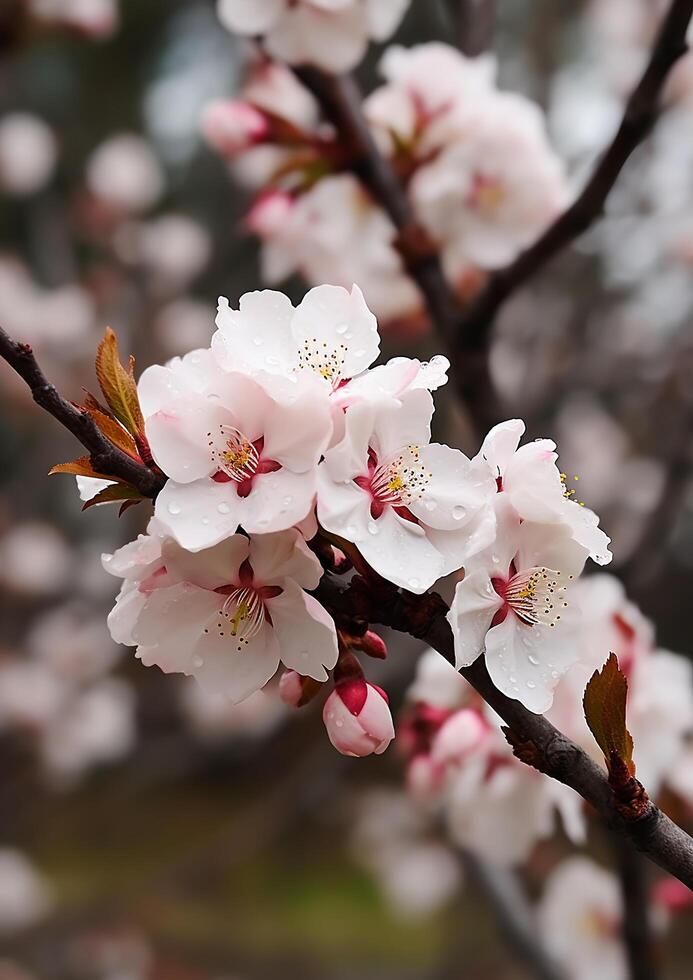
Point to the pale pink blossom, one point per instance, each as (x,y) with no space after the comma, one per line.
(232,126)
(491,194)
(227,615)
(235,455)
(95,18)
(332,34)
(358,720)
(460,735)
(213,718)
(415,509)
(528,478)
(514,606)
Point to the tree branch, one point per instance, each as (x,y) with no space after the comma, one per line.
(508,900)
(105,457)
(636,927)
(474,24)
(535,739)
(639,117)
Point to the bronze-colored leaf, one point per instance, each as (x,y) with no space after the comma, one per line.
(114,432)
(91,401)
(605,711)
(118,384)
(115,493)
(79,467)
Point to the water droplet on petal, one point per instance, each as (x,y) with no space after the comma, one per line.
(174,508)
(414,583)
(257,341)
(205,521)
(459,512)
(288,501)
(430,504)
(531,685)
(198,661)
(533,660)
(372,527)
(223,508)
(342,328)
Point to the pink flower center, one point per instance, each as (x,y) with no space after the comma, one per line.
(244,611)
(396,482)
(485,194)
(535,596)
(239,460)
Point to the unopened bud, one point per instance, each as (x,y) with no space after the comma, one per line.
(231,126)
(460,734)
(372,645)
(358,719)
(269,214)
(296,690)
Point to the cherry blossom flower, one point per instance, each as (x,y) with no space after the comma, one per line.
(335,233)
(235,456)
(579,917)
(461,764)
(125,174)
(415,509)
(232,126)
(489,195)
(512,605)
(95,18)
(530,480)
(227,615)
(332,34)
(331,336)
(357,718)
(430,92)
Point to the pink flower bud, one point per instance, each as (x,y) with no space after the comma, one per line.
(372,645)
(357,718)
(424,777)
(672,895)
(296,690)
(269,213)
(461,734)
(231,126)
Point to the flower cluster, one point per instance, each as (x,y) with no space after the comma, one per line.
(481,176)
(280,442)
(331,33)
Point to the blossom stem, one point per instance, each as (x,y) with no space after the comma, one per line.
(105,457)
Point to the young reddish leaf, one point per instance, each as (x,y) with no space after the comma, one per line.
(91,401)
(605,711)
(118,384)
(114,432)
(79,467)
(115,493)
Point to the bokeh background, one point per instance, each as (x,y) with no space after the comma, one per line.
(170,836)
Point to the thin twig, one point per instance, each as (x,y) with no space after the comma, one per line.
(636,924)
(639,117)
(516,922)
(544,747)
(105,457)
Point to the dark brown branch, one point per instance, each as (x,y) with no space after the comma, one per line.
(105,457)
(535,739)
(474,24)
(639,117)
(636,925)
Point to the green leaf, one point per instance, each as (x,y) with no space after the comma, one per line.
(118,385)
(605,712)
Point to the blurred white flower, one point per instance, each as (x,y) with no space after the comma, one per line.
(74,644)
(28,153)
(95,18)
(125,174)
(35,559)
(579,919)
(24,896)
(184,324)
(212,716)
(172,248)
